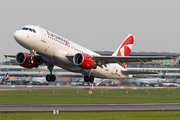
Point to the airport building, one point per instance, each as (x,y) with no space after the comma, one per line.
(172,67)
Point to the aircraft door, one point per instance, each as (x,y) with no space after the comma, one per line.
(44,35)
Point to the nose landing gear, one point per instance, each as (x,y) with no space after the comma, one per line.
(50,77)
(31,61)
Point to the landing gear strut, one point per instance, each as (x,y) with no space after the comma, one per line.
(50,77)
(31,61)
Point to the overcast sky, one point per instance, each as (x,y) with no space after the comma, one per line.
(95,24)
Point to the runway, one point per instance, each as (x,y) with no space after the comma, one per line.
(30,87)
(91,107)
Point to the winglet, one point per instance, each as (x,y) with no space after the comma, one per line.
(175,58)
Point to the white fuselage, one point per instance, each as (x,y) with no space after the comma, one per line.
(40,79)
(54,48)
(150,80)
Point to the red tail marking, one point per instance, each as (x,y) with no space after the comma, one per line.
(127,50)
(124,48)
(175,58)
(129,40)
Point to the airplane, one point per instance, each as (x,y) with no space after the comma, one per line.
(170,85)
(41,80)
(52,49)
(151,81)
(5,77)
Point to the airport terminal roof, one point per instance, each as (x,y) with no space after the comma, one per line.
(142,53)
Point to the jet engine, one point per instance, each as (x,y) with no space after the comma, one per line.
(24,60)
(83,61)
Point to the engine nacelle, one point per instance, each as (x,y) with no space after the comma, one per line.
(83,61)
(22,60)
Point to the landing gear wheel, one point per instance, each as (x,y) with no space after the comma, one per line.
(88,78)
(53,78)
(85,78)
(91,79)
(50,78)
(30,61)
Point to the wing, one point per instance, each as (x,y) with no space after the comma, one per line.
(39,59)
(128,59)
(137,72)
(103,60)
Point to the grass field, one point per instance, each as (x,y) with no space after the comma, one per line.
(80,96)
(157,115)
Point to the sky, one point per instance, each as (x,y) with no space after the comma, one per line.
(100,25)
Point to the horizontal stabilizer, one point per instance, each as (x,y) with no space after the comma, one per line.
(137,72)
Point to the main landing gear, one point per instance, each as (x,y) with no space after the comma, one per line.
(50,77)
(89,78)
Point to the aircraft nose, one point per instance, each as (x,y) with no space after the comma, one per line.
(18,35)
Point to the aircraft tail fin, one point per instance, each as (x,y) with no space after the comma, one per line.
(125,48)
(5,78)
(163,75)
(6,75)
(55,71)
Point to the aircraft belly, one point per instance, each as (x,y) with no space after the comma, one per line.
(107,74)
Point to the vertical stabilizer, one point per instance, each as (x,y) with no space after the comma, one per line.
(6,75)
(125,48)
(163,75)
(5,78)
(55,71)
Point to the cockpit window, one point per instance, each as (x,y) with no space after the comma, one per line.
(30,29)
(34,31)
(24,28)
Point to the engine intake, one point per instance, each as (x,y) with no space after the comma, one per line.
(22,60)
(83,61)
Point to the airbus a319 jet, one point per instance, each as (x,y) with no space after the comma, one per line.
(52,49)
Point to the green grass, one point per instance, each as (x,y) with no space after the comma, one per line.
(157,115)
(80,96)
